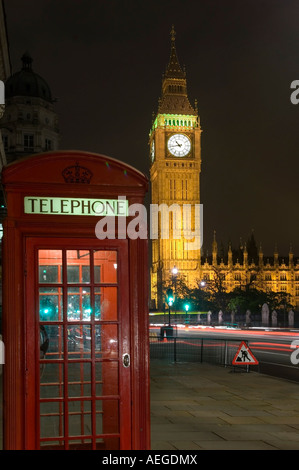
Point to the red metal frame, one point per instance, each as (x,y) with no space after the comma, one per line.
(33,364)
(41,175)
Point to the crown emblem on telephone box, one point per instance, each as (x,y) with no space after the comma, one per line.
(77,174)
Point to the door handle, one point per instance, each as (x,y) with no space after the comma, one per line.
(126,360)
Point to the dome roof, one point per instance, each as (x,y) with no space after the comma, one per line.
(27,83)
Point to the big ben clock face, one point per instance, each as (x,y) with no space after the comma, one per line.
(179,145)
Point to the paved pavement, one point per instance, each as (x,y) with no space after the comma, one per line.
(209,407)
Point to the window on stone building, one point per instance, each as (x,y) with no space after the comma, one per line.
(29,142)
(5,142)
(48,144)
(184,189)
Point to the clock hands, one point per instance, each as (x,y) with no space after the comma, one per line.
(177,145)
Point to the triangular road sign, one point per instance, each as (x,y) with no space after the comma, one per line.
(244,356)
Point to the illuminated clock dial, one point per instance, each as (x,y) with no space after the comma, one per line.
(179,145)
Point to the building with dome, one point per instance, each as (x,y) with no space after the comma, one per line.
(30,123)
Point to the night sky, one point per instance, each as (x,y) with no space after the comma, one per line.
(104,62)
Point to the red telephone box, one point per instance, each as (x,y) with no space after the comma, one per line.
(75,307)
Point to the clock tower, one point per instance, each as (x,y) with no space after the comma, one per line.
(175,156)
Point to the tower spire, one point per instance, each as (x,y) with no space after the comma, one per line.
(174,98)
(214,249)
(172,35)
(174,69)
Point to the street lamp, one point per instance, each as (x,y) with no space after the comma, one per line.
(175,271)
(187,306)
(174,280)
(170,300)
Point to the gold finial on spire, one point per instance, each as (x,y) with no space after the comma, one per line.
(172,35)
(214,244)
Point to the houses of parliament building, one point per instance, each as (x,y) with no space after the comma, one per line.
(175,154)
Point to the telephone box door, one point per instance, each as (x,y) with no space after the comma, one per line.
(77,344)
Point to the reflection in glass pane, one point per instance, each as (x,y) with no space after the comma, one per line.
(106,303)
(107,421)
(73,274)
(85,274)
(78,303)
(79,342)
(79,379)
(78,266)
(97,303)
(80,418)
(51,385)
(48,274)
(97,343)
(48,290)
(51,419)
(106,378)
(106,341)
(49,262)
(51,342)
(97,274)
(105,266)
(50,304)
